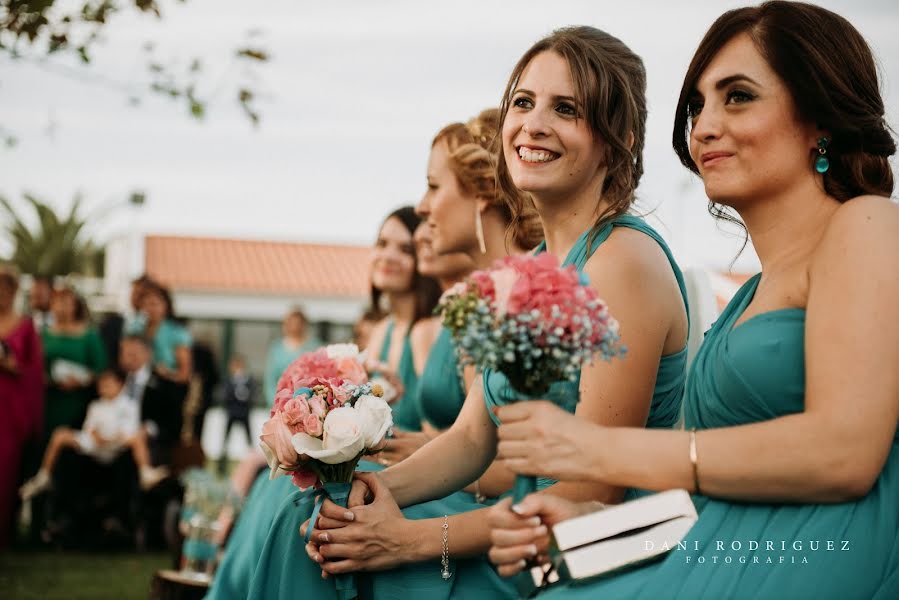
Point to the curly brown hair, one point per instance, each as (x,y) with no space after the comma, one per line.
(473,153)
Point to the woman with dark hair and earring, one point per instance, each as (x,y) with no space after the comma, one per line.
(406,297)
(793,400)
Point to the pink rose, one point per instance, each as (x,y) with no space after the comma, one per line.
(276,437)
(318,407)
(280,399)
(315,364)
(312,425)
(351,370)
(294,412)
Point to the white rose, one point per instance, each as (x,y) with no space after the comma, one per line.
(376,418)
(338,351)
(275,469)
(341,441)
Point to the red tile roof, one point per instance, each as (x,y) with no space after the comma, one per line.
(213,264)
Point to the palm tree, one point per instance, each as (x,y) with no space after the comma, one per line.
(57,246)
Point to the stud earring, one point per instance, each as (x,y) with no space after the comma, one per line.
(822,163)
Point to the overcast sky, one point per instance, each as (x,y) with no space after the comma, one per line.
(351,99)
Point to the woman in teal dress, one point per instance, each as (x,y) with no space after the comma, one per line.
(792,402)
(283,351)
(441,387)
(410,297)
(169,339)
(579,185)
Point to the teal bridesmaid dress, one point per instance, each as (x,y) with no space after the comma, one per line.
(666,398)
(405,412)
(268,499)
(746,374)
(441,392)
(232,578)
(284,571)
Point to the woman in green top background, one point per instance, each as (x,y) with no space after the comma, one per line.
(73,356)
(792,401)
(294,342)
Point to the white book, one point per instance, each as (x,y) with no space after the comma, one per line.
(623,535)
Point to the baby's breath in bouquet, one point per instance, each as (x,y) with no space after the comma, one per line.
(532,320)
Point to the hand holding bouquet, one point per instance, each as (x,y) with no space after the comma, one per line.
(326,416)
(532,320)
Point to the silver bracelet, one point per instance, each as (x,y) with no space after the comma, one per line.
(444,555)
(478,496)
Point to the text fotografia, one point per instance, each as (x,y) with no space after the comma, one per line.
(767,552)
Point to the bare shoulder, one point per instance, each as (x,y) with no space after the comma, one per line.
(631,258)
(864,228)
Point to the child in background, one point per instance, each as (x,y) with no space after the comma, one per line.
(240,390)
(112,425)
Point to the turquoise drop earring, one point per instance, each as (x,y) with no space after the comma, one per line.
(822,163)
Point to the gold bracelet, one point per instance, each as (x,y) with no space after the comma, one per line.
(694,461)
(444,555)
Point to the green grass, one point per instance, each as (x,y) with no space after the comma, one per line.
(78,576)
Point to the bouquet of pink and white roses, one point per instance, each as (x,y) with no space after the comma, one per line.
(532,320)
(326,416)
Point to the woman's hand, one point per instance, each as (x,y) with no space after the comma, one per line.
(522,534)
(401,446)
(373,539)
(539,438)
(70,383)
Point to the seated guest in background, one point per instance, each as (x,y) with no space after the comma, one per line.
(73,356)
(792,401)
(239,393)
(160,413)
(111,426)
(295,341)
